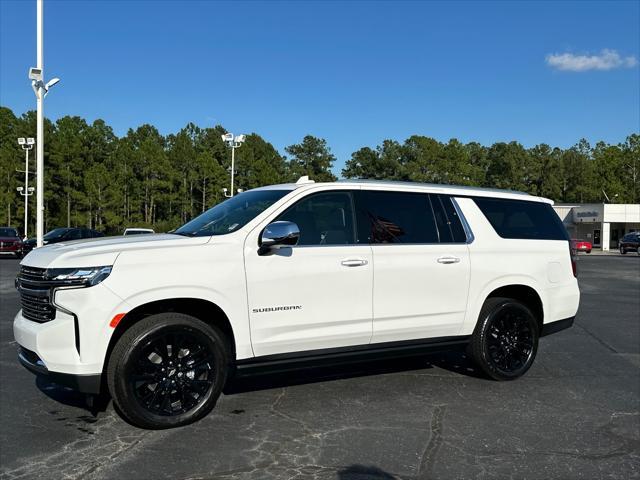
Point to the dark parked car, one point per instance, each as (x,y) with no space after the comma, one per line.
(62,235)
(630,243)
(10,242)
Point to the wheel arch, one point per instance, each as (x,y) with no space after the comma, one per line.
(525,294)
(204,310)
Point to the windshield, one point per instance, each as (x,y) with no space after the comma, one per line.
(56,233)
(8,232)
(232,214)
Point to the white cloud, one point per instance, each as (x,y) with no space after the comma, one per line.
(605,60)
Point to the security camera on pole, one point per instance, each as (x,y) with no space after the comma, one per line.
(233,142)
(40,88)
(26,144)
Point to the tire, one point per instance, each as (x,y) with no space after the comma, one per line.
(622,250)
(505,341)
(588,251)
(172,388)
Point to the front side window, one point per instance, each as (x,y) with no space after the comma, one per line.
(75,234)
(323,219)
(232,214)
(395,217)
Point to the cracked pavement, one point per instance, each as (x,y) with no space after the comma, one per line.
(576,414)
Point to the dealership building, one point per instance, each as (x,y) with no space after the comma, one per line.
(602,224)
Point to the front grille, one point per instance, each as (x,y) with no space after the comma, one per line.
(32,274)
(35,295)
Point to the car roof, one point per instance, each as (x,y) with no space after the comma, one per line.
(455,190)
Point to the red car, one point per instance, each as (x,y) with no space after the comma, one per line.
(10,242)
(582,245)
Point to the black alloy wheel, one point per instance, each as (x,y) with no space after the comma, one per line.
(172,372)
(168,370)
(505,341)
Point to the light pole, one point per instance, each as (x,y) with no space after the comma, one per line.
(26,194)
(233,142)
(26,144)
(36,75)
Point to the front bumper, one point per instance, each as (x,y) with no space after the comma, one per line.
(72,347)
(90,383)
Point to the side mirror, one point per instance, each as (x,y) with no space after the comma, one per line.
(279,234)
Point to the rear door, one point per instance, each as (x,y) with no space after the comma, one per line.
(421,264)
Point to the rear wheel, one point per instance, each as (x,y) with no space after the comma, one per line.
(168,370)
(505,341)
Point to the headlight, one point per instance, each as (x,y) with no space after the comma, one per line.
(85,276)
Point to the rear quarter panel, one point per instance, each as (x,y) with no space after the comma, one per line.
(543,265)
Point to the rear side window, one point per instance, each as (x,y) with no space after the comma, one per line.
(449,224)
(522,219)
(395,217)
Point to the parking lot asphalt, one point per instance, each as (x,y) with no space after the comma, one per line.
(575,415)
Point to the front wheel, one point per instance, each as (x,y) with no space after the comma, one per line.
(168,370)
(505,341)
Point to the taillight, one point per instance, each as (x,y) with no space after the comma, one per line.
(573,254)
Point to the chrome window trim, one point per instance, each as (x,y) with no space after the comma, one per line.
(465,225)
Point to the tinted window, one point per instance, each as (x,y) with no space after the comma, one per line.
(522,219)
(323,219)
(395,217)
(56,233)
(232,214)
(449,224)
(74,234)
(8,232)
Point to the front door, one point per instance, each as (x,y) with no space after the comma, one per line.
(596,238)
(317,294)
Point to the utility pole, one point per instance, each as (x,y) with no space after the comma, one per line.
(27,145)
(40,129)
(36,75)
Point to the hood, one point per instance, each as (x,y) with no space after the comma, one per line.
(9,239)
(102,251)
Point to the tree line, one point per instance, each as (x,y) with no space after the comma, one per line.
(96,179)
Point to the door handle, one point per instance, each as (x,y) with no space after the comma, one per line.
(447,260)
(354,262)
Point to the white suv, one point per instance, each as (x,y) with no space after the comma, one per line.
(295,275)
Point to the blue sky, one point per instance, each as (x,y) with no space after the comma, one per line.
(354,73)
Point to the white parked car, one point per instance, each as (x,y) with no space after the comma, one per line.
(297,274)
(137,231)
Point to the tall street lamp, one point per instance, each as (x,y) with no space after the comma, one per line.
(26,193)
(40,88)
(26,144)
(233,142)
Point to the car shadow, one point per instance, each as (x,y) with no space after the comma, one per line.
(455,362)
(92,404)
(364,472)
